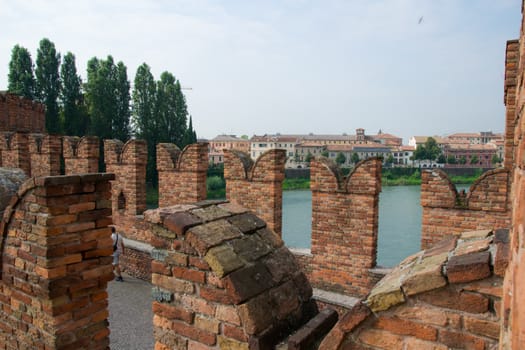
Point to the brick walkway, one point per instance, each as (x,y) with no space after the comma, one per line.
(130,315)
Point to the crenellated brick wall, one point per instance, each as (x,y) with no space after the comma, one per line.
(56,262)
(14,150)
(21,114)
(44,152)
(182,175)
(446,297)
(80,154)
(128,163)
(509,99)
(257,186)
(445,211)
(513,311)
(344,226)
(223,280)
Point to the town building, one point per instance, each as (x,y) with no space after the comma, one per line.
(221,142)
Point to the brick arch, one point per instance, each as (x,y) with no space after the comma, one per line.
(56,258)
(182,174)
(237,164)
(325,175)
(257,186)
(445,211)
(493,184)
(219,265)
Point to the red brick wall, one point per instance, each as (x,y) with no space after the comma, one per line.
(45,153)
(513,325)
(182,175)
(446,212)
(80,154)
(14,149)
(21,114)
(257,186)
(344,226)
(222,280)
(128,163)
(56,262)
(511,71)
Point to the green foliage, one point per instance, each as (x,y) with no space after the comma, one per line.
(296,184)
(48,83)
(451,159)
(340,158)
(441,159)
(462,160)
(427,151)
(354,158)
(324,153)
(171,111)
(495,159)
(390,159)
(308,157)
(216,187)
(74,112)
(107,98)
(474,159)
(21,80)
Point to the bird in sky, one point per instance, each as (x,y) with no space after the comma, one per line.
(420,20)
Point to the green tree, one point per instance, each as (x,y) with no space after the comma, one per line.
(495,159)
(191,135)
(354,158)
(340,158)
(171,111)
(143,115)
(107,98)
(427,151)
(120,123)
(389,159)
(74,114)
(324,153)
(21,80)
(462,160)
(48,83)
(441,159)
(451,159)
(308,157)
(474,160)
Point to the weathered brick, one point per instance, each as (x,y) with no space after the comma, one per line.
(400,326)
(247,282)
(467,268)
(381,339)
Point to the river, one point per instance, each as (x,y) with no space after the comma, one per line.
(399,222)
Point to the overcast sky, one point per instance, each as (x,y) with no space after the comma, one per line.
(407,67)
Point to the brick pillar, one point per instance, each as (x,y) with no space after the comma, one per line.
(221,280)
(44,153)
(511,71)
(128,163)
(56,262)
(344,225)
(447,212)
(15,151)
(81,154)
(182,175)
(257,186)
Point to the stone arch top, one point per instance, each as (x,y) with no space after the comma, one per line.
(192,158)
(489,192)
(365,178)
(81,147)
(228,260)
(131,152)
(269,167)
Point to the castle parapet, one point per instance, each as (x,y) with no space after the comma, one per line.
(257,186)
(81,154)
(14,151)
(128,163)
(182,174)
(447,211)
(344,225)
(45,153)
